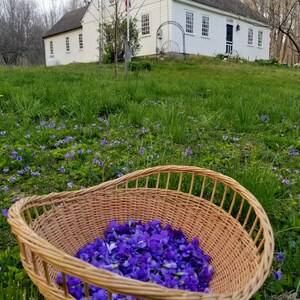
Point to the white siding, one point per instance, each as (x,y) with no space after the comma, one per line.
(252,52)
(90,27)
(60,55)
(159,12)
(216,42)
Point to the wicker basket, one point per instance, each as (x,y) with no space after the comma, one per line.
(230,223)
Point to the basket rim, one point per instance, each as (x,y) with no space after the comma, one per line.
(74,266)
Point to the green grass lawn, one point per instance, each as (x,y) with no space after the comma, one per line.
(70,127)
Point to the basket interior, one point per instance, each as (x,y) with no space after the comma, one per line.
(71,226)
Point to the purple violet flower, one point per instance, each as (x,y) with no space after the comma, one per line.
(277,275)
(280,257)
(265,117)
(147,252)
(144,130)
(292,152)
(34,173)
(5,212)
(70,154)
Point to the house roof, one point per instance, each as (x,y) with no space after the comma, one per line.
(236,7)
(70,21)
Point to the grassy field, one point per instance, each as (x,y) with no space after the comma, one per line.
(76,126)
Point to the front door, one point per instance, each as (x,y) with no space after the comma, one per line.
(229,38)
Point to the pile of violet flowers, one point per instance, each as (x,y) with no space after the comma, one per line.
(150,253)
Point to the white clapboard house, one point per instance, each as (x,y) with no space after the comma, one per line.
(205,27)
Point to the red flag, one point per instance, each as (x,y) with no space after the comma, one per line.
(127,4)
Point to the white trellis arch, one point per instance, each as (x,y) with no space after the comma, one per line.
(177,25)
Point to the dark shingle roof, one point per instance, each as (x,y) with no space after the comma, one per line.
(236,7)
(70,21)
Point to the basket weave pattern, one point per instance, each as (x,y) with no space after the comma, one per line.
(231,225)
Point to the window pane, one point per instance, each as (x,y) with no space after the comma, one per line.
(260,39)
(189,28)
(51,48)
(80,41)
(205,26)
(250,36)
(145,24)
(67,44)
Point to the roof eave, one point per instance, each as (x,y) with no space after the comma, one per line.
(61,32)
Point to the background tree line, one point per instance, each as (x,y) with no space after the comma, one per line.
(23,23)
(284,19)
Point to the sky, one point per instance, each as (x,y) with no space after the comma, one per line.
(47,3)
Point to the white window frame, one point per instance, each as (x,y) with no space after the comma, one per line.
(260,35)
(250,37)
(67,44)
(189,22)
(205,26)
(51,48)
(145,24)
(80,40)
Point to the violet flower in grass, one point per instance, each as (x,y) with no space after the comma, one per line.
(277,275)
(11,179)
(265,117)
(280,257)
(5,212)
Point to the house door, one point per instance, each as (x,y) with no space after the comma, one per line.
(229,38)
